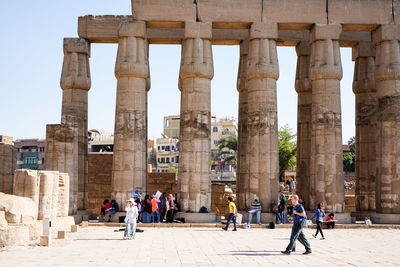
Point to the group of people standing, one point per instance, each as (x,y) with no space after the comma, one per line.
(154,209)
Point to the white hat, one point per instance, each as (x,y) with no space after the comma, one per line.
(131,200)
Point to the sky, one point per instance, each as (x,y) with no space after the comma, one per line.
(31,57)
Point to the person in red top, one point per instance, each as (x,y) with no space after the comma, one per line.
(105,208)
(330,220)
(154,209)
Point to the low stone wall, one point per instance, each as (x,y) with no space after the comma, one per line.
(99,180)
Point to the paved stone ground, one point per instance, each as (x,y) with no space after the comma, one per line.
(101,246)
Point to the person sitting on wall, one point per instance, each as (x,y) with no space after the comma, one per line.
(105,208)
(113,209)
(330,220)
(255,208)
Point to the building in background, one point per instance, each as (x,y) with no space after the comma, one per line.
(30,153)
(167,154)
(171,126)
(8,140)
(100,141)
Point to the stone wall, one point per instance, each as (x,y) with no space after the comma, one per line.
(99,180)
(8,163)
(162,181)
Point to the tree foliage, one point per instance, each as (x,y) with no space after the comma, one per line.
(287,150)
(349,158)
(227,148)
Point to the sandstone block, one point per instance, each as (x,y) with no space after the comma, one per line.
(76,45)
(14,235)
(325,32)
(74,228)
(61,235)
(166,10)
(84,224)
(135,29)
(263,30)
(198,30)
(17,209)
(3,221)
(386,33)
(45,240)
(8,163)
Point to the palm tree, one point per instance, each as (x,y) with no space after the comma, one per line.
(227,149)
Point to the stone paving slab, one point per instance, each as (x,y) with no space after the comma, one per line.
(101,246)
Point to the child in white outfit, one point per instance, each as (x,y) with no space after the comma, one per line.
(130,219)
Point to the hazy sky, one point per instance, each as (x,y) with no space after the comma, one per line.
(31,58)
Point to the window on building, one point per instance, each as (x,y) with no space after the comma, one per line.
(167,160)
(177,159)
(172,159)
(215,142)
(215,129)
(159,160)
(167,148)
(225,131)
(162,147)
(162,160)
(172,148)
(158,148)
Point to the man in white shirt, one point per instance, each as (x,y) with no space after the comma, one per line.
(130,219)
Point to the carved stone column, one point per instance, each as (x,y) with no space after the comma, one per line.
(76,82)
(304,125)
(327,184)
(366,108)
(8,164)
(262,124)
(387,75)
(195,77)
(130,144)
(242,170)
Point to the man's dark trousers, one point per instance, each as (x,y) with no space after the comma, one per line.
(232,217)
(297,233)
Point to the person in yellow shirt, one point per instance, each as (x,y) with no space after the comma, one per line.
(232,214)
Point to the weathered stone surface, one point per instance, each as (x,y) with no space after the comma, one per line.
(360,11)
(3,221)
(8,163)
(387,75)
(326,177)
(242,169)
(130,144)
(167,10)
(366,108)
(75,82)
(14,235)
(27,184)
(195,76)
(17,209)
(48,194)
(63,195)
(62,154)
(262,124)
(304,124)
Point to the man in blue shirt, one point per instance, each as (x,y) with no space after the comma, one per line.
(299,221)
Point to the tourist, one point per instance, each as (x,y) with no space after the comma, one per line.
(292,185)
(139,206)
(130,219)
(105,208)
(114,208)
(171,209)
(289,213)
(163,206)
(282,208)
(330,220)
(255,208)
(147,209)
(299,221)
(154,209)
(232,214)
(274,209)
(319,217)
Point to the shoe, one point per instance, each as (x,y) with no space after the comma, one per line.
(224,229)
(124,238)
(285,252)
(307,252)
(314,236)
(322,238)
(109,220)
(234,230)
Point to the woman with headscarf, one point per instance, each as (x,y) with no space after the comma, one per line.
(171,208)
(282,208)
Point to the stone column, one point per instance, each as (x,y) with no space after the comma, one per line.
(366,108)
(63,195)
(48,194)
(130,144)
(242,170)
(326,177)
(75,82)
(387,75)
(195,84)
(262,73)
(8,163)
(62,154)
(304,125)
(27,184)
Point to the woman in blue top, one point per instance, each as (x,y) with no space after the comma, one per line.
(319,217)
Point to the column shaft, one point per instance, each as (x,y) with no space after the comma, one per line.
(304,125)
(327,184)
(130,144)
(195,84)
(242,170)
(262,73)
(76,82)
(366,108)
(387,74)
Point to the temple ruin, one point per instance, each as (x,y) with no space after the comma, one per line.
(316,29)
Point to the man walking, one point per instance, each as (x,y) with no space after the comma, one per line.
(232,214)
(299,221)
